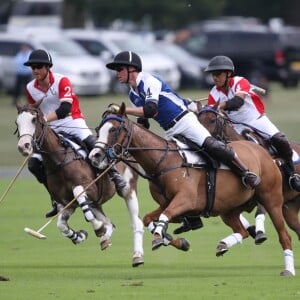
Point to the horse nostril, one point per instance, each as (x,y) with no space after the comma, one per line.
(27,145)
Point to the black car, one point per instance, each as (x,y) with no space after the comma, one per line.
(258,53)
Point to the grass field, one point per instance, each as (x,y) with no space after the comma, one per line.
(56,269)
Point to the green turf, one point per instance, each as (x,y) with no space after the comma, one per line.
(56,269)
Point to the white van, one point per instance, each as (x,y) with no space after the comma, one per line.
(29,13)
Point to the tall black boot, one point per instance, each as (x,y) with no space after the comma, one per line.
(36,167)
(282,145)
(226,154)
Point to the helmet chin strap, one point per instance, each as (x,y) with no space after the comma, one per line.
(226,81)
(46,74)
(128,72)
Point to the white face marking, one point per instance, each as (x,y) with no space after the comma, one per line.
(97,156)
(26,128)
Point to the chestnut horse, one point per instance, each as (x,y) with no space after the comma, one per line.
(180,188)
(68,173)
(221,127)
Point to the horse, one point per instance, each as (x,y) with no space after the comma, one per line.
(67,175)
(221,127)
(179,187)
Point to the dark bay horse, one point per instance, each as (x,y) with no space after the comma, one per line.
(179,188)
(68,174)
(220,126)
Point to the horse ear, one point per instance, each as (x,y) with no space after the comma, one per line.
(122,110)
(19,107)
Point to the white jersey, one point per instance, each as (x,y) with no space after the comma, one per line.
(252,112)
(60,89)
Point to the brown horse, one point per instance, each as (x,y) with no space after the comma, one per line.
(68,173)
(220,126)
(179,188)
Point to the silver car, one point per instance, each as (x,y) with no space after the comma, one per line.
(105,44)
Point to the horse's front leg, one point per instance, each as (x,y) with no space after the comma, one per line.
(137,228)
(106,231)
(82,199)
(76,237)
(232,219)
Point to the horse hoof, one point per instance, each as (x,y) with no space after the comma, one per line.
(157,243)
(260,238)
(138,259)
(286,273)
(221,249)
(185,245)
(105,244)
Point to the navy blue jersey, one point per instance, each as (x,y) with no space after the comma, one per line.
(152,88)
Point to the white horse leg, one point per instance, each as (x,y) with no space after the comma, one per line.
(289,263)
(107,231)
(81,196)
(62,224)
(137,227)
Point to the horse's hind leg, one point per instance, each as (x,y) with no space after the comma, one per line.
(290,212)
(76,237)
(274,208)
(232,219)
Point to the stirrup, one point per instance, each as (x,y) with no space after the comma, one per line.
(250,180)
(294,182)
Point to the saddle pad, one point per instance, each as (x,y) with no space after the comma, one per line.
(191,157)
(75,146)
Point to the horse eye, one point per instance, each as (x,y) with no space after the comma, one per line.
(33,121)
(113,129)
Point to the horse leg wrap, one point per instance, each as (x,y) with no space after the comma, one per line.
(83,203)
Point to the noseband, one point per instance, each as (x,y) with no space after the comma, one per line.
(117,150)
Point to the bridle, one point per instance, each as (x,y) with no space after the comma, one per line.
(220,121)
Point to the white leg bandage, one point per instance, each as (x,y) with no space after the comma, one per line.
(233,239)
(260,223)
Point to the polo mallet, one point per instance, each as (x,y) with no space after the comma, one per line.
(14,179)
(38,233)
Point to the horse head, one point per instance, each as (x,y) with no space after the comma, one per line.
(28,118)
(217,123)
(111,135)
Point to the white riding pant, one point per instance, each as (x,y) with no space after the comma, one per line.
(262,123)
(191,128)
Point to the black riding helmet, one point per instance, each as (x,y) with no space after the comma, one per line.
(39,56)
(220,63)
(126,58)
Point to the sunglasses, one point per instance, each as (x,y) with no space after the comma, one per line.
(216,73)
(37,66)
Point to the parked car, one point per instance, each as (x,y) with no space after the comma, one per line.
(106,44)
(26,13)
(190,66)
(257,52)
(88,75)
